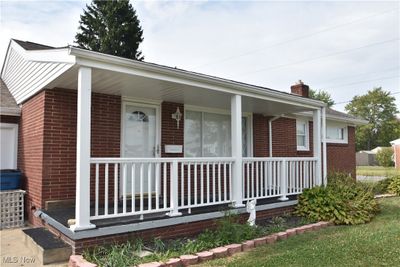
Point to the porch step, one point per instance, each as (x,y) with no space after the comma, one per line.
(47,247)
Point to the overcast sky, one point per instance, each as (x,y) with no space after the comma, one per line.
(343,47)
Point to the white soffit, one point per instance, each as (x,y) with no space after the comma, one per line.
(26,72)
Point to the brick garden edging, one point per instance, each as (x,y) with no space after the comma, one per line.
(215,253)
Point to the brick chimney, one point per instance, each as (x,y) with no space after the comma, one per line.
(300,89)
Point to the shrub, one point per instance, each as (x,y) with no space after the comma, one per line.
(381,187)
(342,201)
(385,157)
(394,186)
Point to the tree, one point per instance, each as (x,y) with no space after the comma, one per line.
(379,109)
(322,95)
(385,157)
(111,27)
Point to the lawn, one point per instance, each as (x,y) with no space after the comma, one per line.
(377,171)
(374,244)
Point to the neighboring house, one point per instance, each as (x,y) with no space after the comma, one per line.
(396,152)
(117,144)
(9,119)
(368,157)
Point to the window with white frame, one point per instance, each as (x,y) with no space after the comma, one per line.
(302,134)
(208,134)
(336,132)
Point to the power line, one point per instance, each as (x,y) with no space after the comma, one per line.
(360,74)
(316,58)
(296,38)
(344,102)
(364,81)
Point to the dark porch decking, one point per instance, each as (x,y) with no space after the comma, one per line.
(62,215)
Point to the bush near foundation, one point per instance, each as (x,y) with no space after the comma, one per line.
(342,201)
(394,186)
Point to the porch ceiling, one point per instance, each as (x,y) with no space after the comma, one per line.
(143,88)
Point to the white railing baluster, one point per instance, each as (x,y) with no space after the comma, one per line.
(96,206)
(157,184)
(174,190)
(248,180)
(230,180)
(141,188)
(202,183)
(182,185)
(195,180)
(225,180)
(106,189)
(208,182)
(189,170)
(165,165)
(219,183)
(133,189)
(149,191)
(257,180)
(123,188)
(213,181)
(115,188)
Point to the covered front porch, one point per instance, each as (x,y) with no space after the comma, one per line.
(155,180)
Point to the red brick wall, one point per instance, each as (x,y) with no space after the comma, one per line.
(342,157)
(30,151)
(60,138)
(283,138)
(397,156)
(9,119)
(170,135)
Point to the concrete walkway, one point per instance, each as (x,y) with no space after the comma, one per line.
(14,251)
(363,178)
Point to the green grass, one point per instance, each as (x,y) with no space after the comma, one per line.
(374,244)
(377,171)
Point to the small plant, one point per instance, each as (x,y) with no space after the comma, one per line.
(381,187)
(394,186)
(159,245)
(385,157)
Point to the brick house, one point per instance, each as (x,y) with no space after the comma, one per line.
(396,152)
(129,148)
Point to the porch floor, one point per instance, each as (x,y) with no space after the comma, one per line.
(62,215)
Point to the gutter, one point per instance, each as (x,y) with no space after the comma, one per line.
(198,77)
(270,132)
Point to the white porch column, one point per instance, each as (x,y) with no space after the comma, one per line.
(317,144)
(236,127)
(324,157)
(82,203)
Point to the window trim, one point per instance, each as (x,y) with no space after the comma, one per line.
(306,147)
(248,115)
(343,126)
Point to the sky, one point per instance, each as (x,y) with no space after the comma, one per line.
(343,47)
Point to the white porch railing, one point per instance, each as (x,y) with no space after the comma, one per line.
(133,186)
(274,177)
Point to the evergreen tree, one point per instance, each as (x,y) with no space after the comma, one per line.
(322,95)
(111,27)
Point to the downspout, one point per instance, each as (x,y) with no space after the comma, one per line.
(324,157)
(270,133)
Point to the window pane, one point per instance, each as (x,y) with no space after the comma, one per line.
(301,140)
(301,128)
(192,134)
(335,133)
(216,135)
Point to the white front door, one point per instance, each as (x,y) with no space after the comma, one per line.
(140,139)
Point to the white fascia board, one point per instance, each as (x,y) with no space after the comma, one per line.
(128,66)
(355,122)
